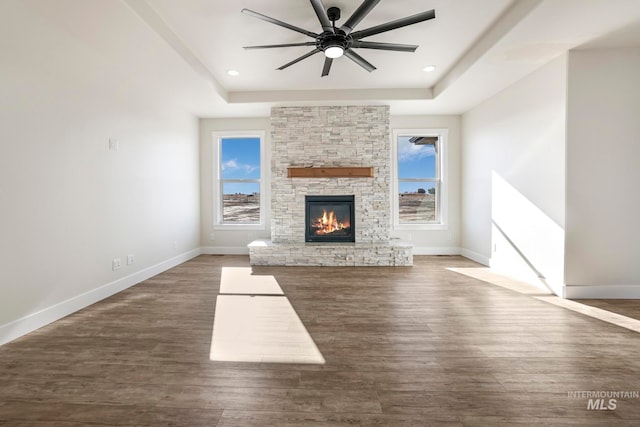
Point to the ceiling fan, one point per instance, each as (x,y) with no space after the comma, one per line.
(336,42)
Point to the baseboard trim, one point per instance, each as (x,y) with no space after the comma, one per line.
(474,256)
(31,322)
(602,292)
(435,250)
(225,250)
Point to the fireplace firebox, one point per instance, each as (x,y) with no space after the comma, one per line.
(330,219)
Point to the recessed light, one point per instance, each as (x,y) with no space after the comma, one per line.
(233,72)
(429,68)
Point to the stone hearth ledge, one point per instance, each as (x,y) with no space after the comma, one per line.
(389,253)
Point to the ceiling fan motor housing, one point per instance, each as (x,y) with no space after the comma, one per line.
(326,40)
(337,38)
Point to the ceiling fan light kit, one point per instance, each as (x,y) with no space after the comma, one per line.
(334,52)
(335,42)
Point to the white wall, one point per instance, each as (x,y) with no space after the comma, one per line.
(439,242)
(513,177)
(603,172)
(73,74)
(228,241)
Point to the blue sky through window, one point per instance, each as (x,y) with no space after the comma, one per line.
(240,159)
(415,161)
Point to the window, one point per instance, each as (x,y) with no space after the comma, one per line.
(419,188)
(239,189)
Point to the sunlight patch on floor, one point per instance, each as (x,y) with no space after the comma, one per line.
(490,276)
(239,280)
(595,312)
(260,329)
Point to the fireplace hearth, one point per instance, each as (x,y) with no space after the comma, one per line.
(330,219)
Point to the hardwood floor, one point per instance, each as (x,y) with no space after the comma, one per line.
(403,347)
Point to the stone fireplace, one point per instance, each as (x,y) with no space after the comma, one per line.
(330,137)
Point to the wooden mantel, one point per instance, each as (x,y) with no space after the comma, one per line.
(330,172)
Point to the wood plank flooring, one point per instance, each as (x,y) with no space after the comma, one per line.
(403,347)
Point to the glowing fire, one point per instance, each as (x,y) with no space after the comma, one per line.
(328,223)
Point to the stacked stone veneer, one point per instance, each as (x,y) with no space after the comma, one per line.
(330,137)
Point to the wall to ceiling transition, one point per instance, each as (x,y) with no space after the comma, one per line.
(75,74)
(603,173)
(513,177)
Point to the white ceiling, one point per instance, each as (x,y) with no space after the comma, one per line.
(478,47)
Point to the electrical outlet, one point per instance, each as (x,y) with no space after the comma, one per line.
(116,264)
(175,244)
(212,236)
(349,257)
(131,259)
(113,144)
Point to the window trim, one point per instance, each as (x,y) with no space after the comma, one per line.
(218,136)
(442,201)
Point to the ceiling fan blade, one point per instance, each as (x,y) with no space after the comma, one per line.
(398,23)
(322,15)
(358,15)
(327,66)
(359,60)
(385,46)
(305,56)
(269,46)
(277,22)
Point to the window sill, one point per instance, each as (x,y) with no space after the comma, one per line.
(422,227)
(239,227)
